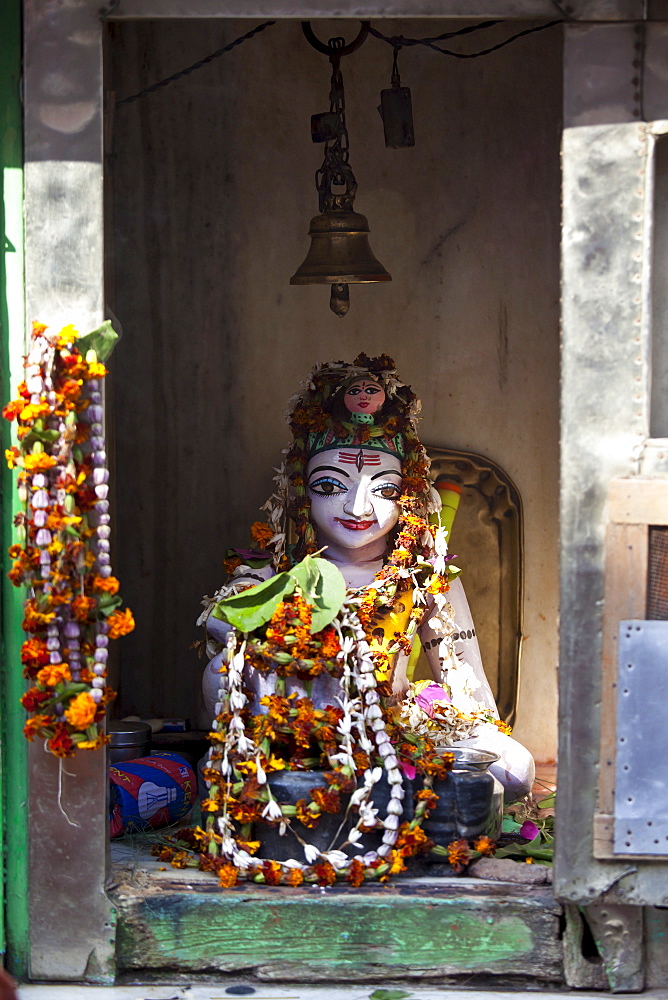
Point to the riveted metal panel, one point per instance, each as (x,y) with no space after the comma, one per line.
(641,807)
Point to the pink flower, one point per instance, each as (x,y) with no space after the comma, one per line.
(529,830)
(428,695)
(409,770)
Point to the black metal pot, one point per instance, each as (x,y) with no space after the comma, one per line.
(288,787)
(468,802)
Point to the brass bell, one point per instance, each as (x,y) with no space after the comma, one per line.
(339,255)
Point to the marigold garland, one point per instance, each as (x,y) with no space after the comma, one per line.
(363,740)
(62,555)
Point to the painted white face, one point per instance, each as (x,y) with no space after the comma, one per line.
(353,493)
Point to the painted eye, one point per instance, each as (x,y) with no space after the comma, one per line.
(388,492)
(327,487)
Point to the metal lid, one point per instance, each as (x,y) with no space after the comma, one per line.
(129,734)
(470,758)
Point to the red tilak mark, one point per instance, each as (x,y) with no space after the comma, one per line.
(359,459)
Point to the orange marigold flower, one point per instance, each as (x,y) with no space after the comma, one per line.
(261,533)
(82,606)
(231,563)
(12,409)
(61,744)
(278,707)
(438,585)
(38,463)
(355,873)
(34,698)
(244,812)
(272,871)
(96,370)
(180,859)
(325,873)
(11,455)
(329,640)
(81,711)
(107,584)
(36,725)
(71,388)
(35,620)
(228,875)
(34,652)
(252,846)
(412,840)
(294,877)
(32,411)
(326,799)
(54,673)
(503,726)
(120,623)
(396,863)
(305,816)
(459,854)
(428,796)
(484,846)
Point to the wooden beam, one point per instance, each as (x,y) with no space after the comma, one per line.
(625,597)
(639,501)
(416,928)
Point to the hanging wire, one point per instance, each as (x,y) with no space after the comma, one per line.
(401,41)
(396,41)
(197,65)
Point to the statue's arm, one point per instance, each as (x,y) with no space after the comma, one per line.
(466,648)
(217,632)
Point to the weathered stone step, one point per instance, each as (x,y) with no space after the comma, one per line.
(412,928)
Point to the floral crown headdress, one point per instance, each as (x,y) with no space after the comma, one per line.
(319,420)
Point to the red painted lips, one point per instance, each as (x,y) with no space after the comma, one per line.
(355,525)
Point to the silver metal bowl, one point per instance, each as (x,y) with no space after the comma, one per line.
(470,758)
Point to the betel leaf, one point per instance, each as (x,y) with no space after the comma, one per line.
(255,606)
(102,340)
(307,575)
(329,596)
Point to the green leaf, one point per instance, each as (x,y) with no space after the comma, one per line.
(254,607)
(46,437)
(102,340)
(389,994)
(510,826)
(109,603)
(329,596)
(307,575)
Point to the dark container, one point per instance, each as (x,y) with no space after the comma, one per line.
(469,804)
(288,787)
(128,741)
(468,800)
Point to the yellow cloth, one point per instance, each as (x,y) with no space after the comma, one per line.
(383,633)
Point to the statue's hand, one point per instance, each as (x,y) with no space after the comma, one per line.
(217,629)
(400,679)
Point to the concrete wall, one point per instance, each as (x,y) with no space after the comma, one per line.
(212,191)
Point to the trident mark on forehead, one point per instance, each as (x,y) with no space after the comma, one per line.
(359,459)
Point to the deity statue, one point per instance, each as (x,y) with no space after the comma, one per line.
(356,488)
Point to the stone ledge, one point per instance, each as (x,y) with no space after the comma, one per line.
(412,928)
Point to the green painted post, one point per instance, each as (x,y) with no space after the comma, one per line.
(14,800)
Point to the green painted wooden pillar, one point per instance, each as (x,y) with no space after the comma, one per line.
(13,758)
